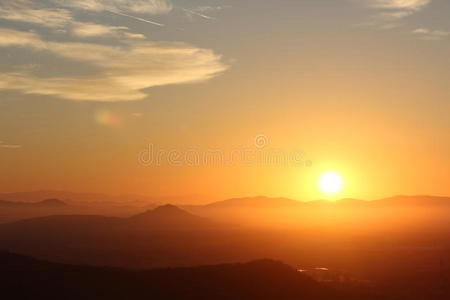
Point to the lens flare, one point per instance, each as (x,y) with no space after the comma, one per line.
(108,119)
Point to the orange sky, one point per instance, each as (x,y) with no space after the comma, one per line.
(355,88)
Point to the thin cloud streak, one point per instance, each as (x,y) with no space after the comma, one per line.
(431,35)
(154,7)
(389,12)
(9,146)
(399,4)
(136,18)
(88,30)
(198,14)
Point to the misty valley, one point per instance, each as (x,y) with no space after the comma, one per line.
(383,249)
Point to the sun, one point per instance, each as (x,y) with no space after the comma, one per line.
(330,183)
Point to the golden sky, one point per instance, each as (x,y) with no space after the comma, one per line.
(234,98)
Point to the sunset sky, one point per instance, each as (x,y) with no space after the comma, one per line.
(356,87)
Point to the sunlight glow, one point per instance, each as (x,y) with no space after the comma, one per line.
(330,183)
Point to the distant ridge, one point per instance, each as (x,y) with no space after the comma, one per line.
(259,201)
(161,218)
(98,198)
(262,202)
(43,203)
(413,200)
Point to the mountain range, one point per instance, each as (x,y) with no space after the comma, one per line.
(43,203)
(364,238)
(262,201)
(166,217)
(79,198)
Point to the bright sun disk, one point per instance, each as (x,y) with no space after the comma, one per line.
(330,183)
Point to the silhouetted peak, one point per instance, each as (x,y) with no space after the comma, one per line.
(169,217)
(167,212)
(168,208)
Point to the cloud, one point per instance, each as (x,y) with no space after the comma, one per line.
(9,146)
(124,70)
(433,35)
(23,11)
(413,5)
(421,30)
(44,13)
(197,12)
(87,30)
(389,12)
(204,12)
(154,7)
(10,37)
(136,18)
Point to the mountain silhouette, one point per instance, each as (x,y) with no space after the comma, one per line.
(424,200)
(153,238)
(168,217)
(255,202)
(77,198)
(27,278)
(268,202)
(43,203)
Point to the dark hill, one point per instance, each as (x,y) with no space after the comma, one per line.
(26,278)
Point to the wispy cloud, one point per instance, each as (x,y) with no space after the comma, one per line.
(125,66)
(124,7)
(154,7)
(87,30)
(45,13)
(24,11)
(399,4)
(432,35)
(125,71)
(3,145)
(196,13)
(204,12)
(389,12)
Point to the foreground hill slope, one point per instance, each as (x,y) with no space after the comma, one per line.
(27,278)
